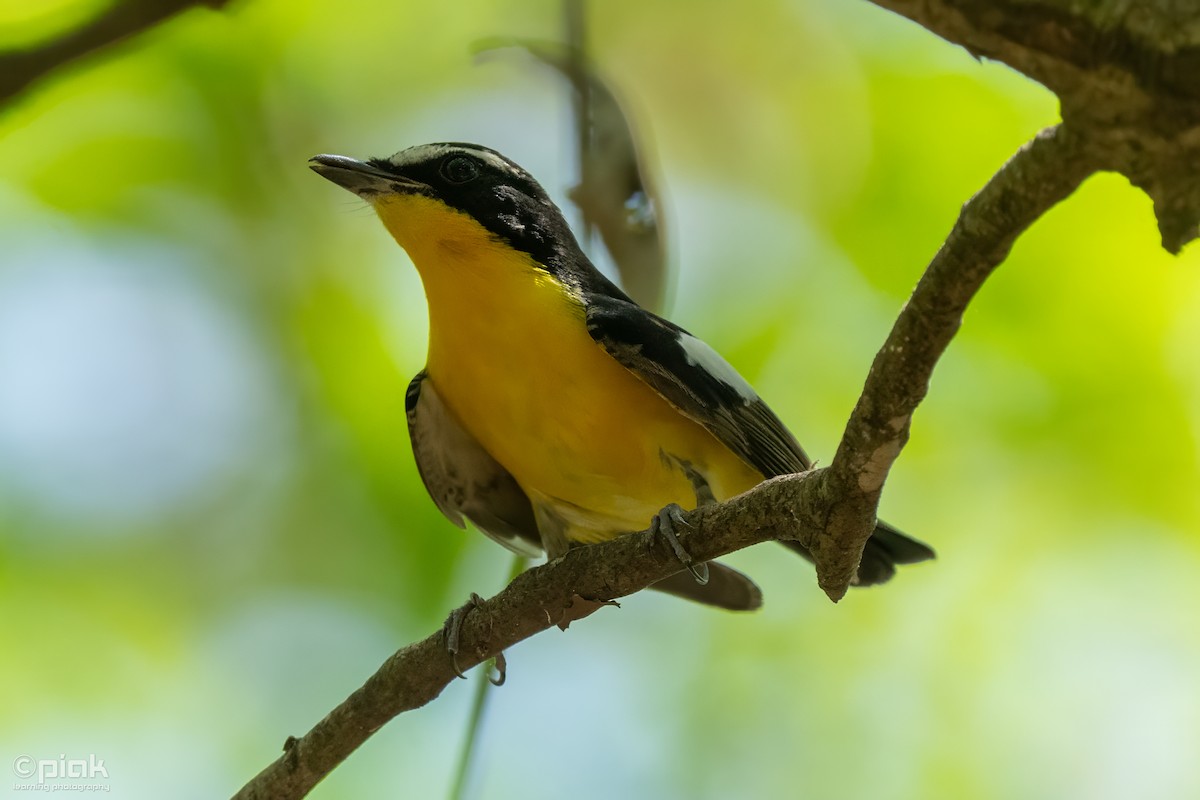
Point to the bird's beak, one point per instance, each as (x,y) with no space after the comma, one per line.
(363,179)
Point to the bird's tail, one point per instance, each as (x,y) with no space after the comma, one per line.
(726,588)
(729,589)
(886,548)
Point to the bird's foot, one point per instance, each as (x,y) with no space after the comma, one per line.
(664,524)
(452,631)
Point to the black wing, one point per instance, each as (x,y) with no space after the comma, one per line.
(695,379)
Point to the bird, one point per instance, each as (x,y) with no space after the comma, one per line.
(553,411)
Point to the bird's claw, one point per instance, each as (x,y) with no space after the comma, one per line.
(664,524)
(452,630)
(501,670)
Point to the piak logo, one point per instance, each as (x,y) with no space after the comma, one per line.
(86,774)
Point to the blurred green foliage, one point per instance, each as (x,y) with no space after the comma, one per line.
(211,529)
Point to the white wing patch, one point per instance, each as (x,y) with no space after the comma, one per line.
(700,354)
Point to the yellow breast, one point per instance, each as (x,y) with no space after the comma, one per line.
(511,356)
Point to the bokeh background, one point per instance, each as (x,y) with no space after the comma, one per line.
(211,528)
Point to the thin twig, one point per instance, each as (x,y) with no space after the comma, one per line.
(20,68)
(483,685)
(576,70)
(471,737)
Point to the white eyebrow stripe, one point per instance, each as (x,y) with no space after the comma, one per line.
(412,155)
(428,152)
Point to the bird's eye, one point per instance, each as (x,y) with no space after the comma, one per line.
(460,169)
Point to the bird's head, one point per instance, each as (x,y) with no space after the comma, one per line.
(455,197)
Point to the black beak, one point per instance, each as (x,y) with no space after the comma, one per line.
(363,179)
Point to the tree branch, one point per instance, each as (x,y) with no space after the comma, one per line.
(831,511)
(19,69)
(1127,75)
(538,599)
(1043,172)
(1150,47)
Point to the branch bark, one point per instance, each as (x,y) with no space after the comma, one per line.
(21,68)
